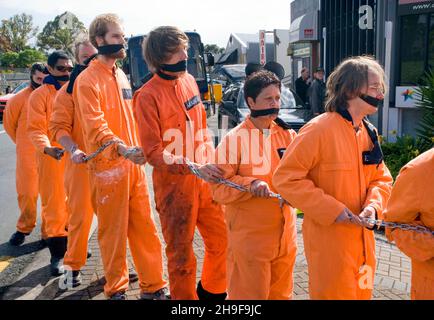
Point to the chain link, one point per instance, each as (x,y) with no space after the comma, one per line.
(99,150)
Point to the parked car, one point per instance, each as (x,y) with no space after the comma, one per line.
(4,99)
(229,74)
(234,106)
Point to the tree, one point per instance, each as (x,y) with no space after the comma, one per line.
(5,43)
(61,33)
(213,48)
(15,32)
(9,59)
(29,56)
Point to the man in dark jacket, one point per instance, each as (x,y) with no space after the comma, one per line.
(302,85)
(317,93)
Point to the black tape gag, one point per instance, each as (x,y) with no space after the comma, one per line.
(181,66)
(34,84)
(61,78)
(262,113)
(110,49)
(371,100)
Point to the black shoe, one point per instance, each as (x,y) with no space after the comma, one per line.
(204,295)
(118,296)
(89,253)
(71,279)
(132,275)
(17,238)
(56,267)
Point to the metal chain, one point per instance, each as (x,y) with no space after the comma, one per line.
(378,223)
(99,150)
(230,183)
(402,226)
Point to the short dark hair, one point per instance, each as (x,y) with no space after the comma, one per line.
(56,56)
(38,66)
(257,82)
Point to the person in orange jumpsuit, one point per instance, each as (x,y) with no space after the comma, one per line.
(261,231)
(51,165)
(412,202)
(169,104)
(334,172)
(103,99)
(15,125)
(67,131)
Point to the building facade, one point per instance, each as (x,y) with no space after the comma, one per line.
(399,34)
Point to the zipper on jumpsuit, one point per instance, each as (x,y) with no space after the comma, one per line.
(189,128)
(122,106)
(269,163)
(360,192)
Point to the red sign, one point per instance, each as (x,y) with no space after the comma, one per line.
(262,52)
(308,33)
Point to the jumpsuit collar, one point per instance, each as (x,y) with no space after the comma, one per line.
(164,80)
(250,125)
(165,76)
(103,66)
(52,81)
(347,116)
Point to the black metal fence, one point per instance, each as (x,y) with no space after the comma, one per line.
(350,30)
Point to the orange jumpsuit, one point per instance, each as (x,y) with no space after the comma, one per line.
(64,122)
(102,97)
(321,174)
(15,124)
(412,202)
(262,235)
(183,201)
(53,198)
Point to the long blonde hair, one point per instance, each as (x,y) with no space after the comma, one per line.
(349,79)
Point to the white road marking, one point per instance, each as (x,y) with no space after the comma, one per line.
(2,132)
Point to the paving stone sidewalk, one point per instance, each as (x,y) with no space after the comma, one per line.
(392,281)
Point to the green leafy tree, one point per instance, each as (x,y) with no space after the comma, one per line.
(9,59)
(16,31)
(61,33)
(29,56)
(213,48)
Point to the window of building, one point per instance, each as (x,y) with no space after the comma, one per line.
(417,47)
(431,44)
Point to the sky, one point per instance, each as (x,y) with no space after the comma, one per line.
(213,20)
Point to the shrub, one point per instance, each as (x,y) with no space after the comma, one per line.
(398,154)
